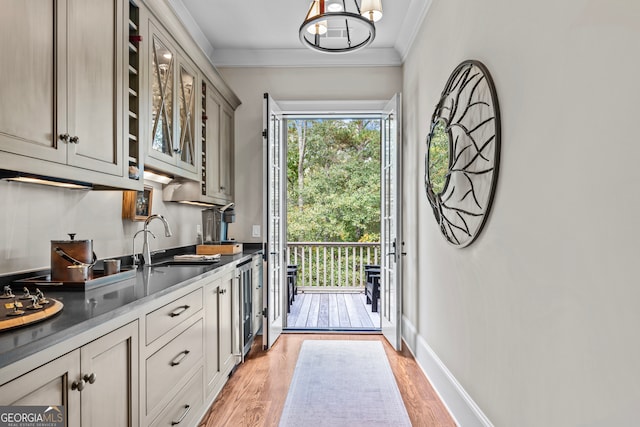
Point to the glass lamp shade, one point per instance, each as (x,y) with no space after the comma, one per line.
(371,9)
(319,28)
(316,9)
(334,6)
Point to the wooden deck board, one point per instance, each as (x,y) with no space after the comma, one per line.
(305,305)
(323,312)
(312,320)
(343,315)
(374,317)
(361,311)
(334,319)
(332,311)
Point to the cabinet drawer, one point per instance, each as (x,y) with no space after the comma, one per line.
(170,365)
(184,407)
(169,316)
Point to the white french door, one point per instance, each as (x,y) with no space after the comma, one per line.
(274,220)
(391,223)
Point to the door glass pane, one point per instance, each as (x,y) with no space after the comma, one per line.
(161,98)
(275,215)
(187,115)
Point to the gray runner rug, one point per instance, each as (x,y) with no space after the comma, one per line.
(343,383)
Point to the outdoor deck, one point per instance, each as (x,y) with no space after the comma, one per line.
(332,310)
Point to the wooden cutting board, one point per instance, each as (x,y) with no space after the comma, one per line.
(231,249)
(30,316)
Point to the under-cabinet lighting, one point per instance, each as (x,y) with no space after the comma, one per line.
(206,205)
(156,177)
(34,179)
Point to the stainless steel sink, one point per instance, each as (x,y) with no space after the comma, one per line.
(185,262)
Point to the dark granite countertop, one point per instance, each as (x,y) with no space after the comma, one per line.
(84,310)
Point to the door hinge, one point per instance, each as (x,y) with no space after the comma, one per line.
(264,312)
(264,133)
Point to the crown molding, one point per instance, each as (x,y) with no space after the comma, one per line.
(370,57)
(412,22)
(192,27)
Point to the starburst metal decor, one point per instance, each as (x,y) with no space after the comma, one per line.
(463,153)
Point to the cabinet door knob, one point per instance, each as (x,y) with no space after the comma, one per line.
(64,137)
(222,291)
(74,140)
(90,378)
(78,385)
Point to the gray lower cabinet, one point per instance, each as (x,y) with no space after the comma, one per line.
(97,383)
(172,355)
(162,369)
(184,408)
(219,336)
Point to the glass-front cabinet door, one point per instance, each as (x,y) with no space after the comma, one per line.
(173,143)
(186,120)
(162,66)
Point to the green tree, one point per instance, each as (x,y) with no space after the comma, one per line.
(333,173)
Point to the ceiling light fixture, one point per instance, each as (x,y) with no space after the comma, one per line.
(340,26)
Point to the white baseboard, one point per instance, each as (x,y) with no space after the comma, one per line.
(462,408)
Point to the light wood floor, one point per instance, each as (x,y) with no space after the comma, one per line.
(332,311)
(255,394)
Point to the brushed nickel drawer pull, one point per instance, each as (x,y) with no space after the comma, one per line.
(187,408)
(178,311)
(179,358)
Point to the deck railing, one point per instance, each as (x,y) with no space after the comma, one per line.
(332,266)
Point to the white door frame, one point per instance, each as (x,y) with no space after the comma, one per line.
(391,287)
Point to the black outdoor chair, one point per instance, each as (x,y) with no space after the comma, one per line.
(292,283)
(372,285)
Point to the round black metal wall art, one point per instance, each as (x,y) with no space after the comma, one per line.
(463,153)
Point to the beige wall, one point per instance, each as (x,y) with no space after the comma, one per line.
(250,84)
(538,319)
(33,215)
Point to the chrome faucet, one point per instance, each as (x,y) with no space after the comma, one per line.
(134,254)
(146,252)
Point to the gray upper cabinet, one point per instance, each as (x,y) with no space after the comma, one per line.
(173,80)
(218,126)
(62,89)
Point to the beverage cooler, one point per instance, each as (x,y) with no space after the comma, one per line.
(244,275)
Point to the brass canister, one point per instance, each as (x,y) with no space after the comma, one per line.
(70,253)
